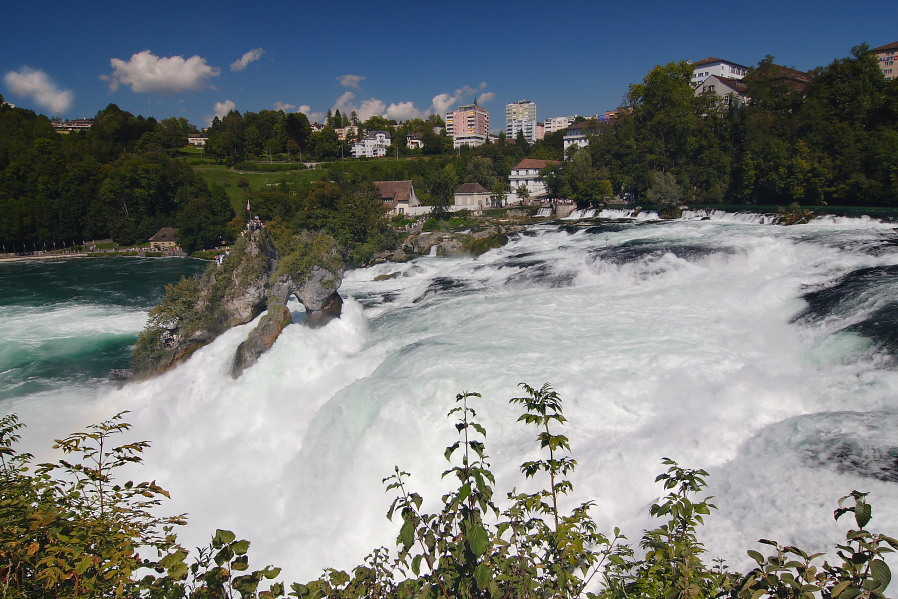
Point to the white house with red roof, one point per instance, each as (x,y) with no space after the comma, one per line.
(527,174)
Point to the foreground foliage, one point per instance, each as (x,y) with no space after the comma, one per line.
(70,530)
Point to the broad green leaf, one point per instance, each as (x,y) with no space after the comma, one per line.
(478,539)
(862,514)
(881,572)
(483,575)
(850,593)
(241,547)
(416,564)
(464,491)
(407,534)
(240,564)
(839,588)
(223,537)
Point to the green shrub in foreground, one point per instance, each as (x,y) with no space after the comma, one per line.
(70,530)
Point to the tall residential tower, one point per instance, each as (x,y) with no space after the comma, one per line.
(521,116)
(468,126)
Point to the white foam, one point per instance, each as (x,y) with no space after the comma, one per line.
(689,357)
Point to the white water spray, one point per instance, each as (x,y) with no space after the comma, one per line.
(664,339)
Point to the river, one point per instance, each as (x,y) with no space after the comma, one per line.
(763,354)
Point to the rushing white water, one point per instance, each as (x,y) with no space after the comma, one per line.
(698,340)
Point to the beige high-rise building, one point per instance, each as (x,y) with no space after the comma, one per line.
(520,116)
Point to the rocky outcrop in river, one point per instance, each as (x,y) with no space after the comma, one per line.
(261,273)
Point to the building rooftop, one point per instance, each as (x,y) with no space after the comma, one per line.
(534,163)
(736,84)
(893,47)
(393,191)
(165,234)
(472,188)
(712,60)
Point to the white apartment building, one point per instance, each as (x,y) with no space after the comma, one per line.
(373,145)
(520,116)
(526,174)
(703,69)
(578,135)
(557,123)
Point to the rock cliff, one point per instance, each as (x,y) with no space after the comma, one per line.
(264,269)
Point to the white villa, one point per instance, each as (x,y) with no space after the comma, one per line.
(373,145)
(703,69)
(527,174)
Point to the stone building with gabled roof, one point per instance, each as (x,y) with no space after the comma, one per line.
(471,196)
(398,196)
(165,238)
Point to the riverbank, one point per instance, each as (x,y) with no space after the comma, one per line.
(130,253)
(41,256)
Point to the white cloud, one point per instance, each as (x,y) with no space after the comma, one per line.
(146,72)
(349,80)
(364,111)
(443,102)
(37,85)
(314,117)
(344,103)
(285,107)
(369,108)
(399,111)
(221,110)
(243,61)
(404,111)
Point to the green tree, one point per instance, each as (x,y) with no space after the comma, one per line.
(441,188)
(480,170)
(665,193)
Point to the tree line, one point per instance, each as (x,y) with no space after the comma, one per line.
(117,180)
(828,139)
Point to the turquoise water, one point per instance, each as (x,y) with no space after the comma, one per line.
(72,320)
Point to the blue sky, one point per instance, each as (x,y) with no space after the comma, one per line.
(194,59)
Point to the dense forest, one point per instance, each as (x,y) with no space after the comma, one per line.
(117,180)
(829,137)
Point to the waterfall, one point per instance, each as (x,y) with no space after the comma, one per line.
(762,354)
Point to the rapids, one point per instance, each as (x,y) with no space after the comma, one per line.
(763,354)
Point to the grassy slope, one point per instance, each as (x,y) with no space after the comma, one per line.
(229,178)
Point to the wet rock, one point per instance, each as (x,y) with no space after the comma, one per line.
(261,338)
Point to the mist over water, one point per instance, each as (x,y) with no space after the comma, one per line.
(764,354)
